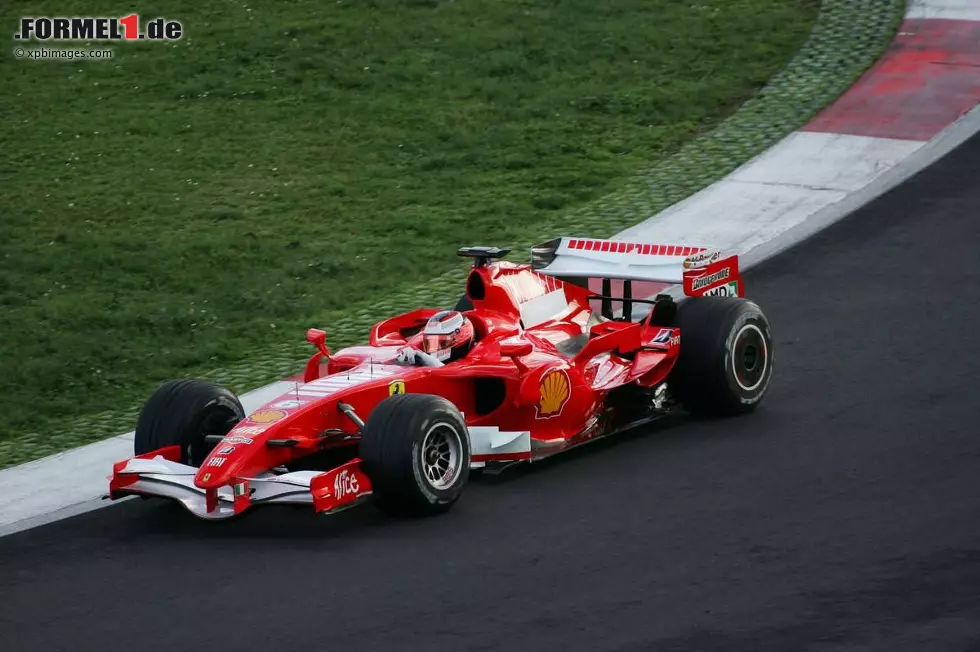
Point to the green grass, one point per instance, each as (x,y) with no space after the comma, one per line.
(184,205)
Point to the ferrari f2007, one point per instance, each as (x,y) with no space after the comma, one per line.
(592,338)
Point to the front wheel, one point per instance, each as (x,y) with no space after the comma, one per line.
(416,450)
(726,357)
(184,413)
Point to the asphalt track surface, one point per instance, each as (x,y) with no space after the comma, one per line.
(843,515)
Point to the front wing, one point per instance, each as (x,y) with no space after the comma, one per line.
(158,474)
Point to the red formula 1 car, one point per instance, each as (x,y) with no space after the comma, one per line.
(535,360)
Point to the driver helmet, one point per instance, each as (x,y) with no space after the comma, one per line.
(447,336)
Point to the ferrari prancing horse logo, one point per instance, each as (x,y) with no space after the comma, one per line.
(396,387)
(555,390)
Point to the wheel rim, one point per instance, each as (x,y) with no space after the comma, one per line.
(750,357)
(441,454)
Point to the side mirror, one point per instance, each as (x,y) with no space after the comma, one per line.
(318,338)
(515,349)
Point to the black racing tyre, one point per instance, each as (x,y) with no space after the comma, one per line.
(182,413)
(416,451)
(726,356)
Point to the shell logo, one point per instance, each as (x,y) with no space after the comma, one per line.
(267,416)
(555,390)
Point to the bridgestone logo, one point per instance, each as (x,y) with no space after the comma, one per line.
(705,281)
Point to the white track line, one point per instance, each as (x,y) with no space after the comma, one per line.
(945,9)
(775,192)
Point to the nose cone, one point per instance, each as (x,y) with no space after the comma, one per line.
(220,466)
(241,445)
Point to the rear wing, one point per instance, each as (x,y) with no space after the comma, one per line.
(700,270)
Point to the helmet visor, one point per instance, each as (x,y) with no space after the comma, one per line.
(433,343)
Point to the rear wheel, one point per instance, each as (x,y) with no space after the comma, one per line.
(183,413)
(416,450)
(726,357)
